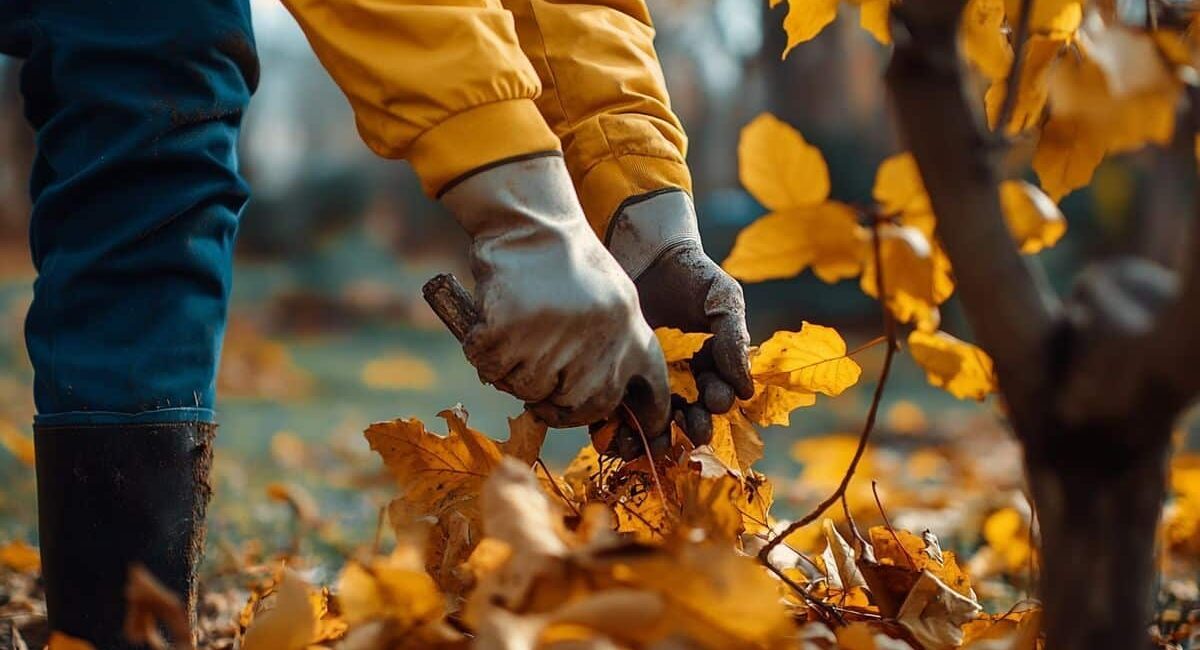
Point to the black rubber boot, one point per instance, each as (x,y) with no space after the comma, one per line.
(110,496)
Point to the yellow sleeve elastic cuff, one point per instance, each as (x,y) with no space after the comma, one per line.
(612,181)
(477,137)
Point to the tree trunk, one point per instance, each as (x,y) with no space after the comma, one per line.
(1098,510)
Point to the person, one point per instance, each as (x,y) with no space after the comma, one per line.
(545,129)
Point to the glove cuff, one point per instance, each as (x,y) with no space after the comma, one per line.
(514,194)
(649,226)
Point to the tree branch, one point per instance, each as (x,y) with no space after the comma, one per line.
(1178,336)
(1015,325)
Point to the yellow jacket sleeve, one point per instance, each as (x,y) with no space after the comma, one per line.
(442,83)
(604,95)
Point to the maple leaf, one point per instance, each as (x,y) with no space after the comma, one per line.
(778,167)
(790,368)
(964,370)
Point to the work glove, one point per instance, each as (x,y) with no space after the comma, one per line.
(658,244)
(560,324)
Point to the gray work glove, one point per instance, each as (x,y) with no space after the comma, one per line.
(560,324)
(658,244)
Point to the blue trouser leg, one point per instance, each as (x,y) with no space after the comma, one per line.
(136,198)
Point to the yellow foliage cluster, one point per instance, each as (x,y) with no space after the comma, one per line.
(806,230)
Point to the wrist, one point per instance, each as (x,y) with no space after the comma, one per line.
(650,226)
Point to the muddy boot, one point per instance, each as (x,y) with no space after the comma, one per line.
(110,496)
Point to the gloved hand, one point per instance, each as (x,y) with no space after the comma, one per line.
(560,323)
(658,244)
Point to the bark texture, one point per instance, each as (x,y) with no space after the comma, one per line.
(1093,383)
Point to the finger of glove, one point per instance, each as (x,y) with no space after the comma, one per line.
(730,353)
(565,410)
(698,424)
(648,393)
(492,352)
(534,380)
(726,309)
(715,393)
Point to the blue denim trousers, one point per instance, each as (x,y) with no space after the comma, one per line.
(136,105)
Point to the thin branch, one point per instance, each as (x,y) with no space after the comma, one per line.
(868,426)
(1012,85)
(888,524)
(941,126)
(662,497)
(554,484)
(826,612)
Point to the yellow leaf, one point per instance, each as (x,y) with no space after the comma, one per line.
(916,274)
(824,460)
(60,641)
(18,444)
(777,166)
(20,557)
(1032,91)
(678,345)
(774,404)
(1006,532)
(875,17)
(709,503)
(526,433)
(898,186)
(825,236)
(290,625)
(398,371)
(983,38)
(1034,221)
(962,369)
(394,588)
(440,479)
(714,597)
(805,19)
(919,553)
(813,360)
(735,442)
(1068,152)
(682,382)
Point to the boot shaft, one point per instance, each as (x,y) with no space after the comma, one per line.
(110,496)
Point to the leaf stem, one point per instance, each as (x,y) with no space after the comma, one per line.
(1012,85)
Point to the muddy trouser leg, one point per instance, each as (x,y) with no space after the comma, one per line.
(136,199)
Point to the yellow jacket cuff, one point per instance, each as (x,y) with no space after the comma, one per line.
(478,137)
(614,180)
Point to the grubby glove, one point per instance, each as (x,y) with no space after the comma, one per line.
(656,241)
(560,323)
